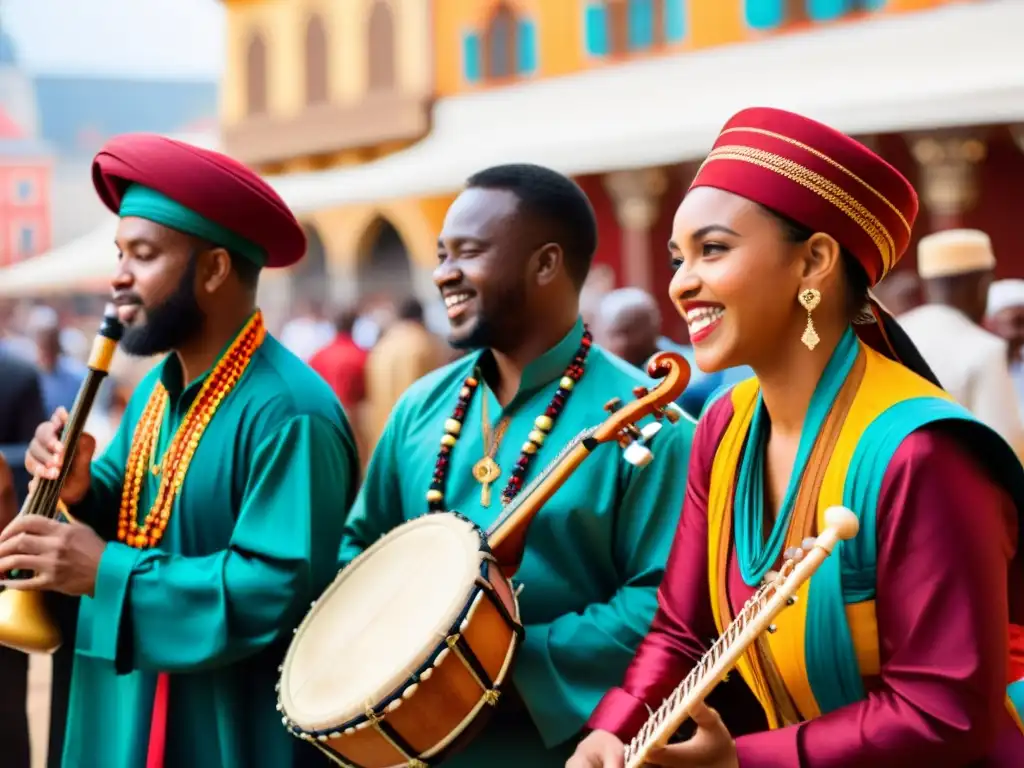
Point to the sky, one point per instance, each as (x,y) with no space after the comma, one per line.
(175,39)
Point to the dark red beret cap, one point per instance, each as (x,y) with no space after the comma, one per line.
(211,184)
(818,177)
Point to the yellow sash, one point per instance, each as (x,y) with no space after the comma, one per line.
(884,383)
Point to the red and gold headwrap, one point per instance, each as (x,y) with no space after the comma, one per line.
(825,181)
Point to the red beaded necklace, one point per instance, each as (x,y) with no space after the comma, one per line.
(542,426)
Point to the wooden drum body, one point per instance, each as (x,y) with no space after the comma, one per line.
(402,659)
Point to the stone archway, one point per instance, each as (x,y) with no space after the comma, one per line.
(383,270)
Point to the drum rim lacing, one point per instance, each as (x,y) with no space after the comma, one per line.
(453,643)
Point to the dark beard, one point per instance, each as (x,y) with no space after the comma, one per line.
(480,336)
(498,323)
(170,324)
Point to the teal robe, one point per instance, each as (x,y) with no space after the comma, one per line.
(595,553)
(252,540)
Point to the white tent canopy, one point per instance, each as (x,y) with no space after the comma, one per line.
(84,263)
(960,64)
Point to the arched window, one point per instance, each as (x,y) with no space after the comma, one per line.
(827,10)
(381,47)
(316,61)
(500,44)
(506,47)
(256,75)
(619,26)
(771,14)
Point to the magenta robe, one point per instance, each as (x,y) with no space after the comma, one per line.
(947,537)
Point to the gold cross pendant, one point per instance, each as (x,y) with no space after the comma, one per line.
(486,471)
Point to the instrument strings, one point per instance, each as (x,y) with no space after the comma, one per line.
(705,668)
(530,487)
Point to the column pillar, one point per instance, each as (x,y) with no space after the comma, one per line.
(948,164)
(637,196)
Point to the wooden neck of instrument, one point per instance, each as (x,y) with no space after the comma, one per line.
(508,539)
(725,654)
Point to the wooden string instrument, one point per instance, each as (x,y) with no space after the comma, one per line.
(752,621)
(507,535)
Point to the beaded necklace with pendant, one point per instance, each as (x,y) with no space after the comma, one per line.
(174,466)
(543,425)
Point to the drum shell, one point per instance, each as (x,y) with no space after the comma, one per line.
(442,705)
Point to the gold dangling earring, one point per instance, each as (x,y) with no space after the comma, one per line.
(809,299)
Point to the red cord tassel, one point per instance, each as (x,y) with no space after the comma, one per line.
(1016,653)
(158,725)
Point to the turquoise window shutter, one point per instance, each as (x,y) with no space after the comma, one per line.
(526,56)
(641,24)
(595,23)
(826,10)
(471,57)
(765,14)
(675,20)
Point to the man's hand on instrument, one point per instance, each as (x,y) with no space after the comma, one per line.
(600,749)
(712,746)
(62,557)
(45,455)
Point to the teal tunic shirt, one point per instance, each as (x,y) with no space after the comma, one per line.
(595,553)
(252,540)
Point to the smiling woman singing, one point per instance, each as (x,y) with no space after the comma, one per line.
(898,649)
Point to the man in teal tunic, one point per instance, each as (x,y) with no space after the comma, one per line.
(184,620)
(516,247)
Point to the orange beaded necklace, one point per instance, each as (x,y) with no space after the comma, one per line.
(183,446)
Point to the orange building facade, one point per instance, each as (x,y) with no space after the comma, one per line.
(369,114)
(549,39)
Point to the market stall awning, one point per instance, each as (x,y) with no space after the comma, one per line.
(957,65)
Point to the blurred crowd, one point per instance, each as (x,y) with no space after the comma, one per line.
(969,327)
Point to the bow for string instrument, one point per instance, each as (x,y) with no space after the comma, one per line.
(25,623)
(753,620)
(404,657)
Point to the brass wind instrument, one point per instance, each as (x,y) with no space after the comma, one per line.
(753,620)
(25,623)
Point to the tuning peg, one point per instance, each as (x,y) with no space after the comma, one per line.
(638,454)
(670,412)
(650,430)
(639,392)
(613,405)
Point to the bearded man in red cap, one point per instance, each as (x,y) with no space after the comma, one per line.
(214,517)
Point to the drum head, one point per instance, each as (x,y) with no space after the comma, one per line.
(383,617)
